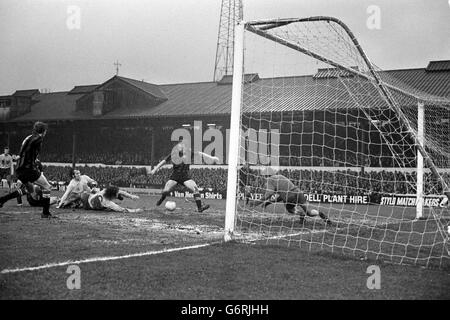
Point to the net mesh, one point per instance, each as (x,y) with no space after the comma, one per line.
(346,136)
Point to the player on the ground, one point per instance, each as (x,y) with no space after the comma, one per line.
(104,200)
(28,169)
(285,191)
(35,197)
(180,173)
(79,184)
(7,170)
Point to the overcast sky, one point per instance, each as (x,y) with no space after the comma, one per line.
(174,41)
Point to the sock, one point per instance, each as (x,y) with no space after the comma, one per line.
(163,196)
(10,196)
(45,206)
(45,202)
(198,200)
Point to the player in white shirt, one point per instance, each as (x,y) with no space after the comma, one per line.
(79,184)
(6,166)
(104,200)
(7,170)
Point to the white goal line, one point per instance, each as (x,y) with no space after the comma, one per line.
(108,258)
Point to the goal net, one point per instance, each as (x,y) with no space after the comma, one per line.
(368,150)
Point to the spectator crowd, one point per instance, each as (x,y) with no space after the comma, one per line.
(348,182)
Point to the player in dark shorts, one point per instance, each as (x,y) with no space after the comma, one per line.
(33,194)
(34,199)
(180,173)
(29,170)
(285,191)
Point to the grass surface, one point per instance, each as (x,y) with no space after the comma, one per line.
(257,270)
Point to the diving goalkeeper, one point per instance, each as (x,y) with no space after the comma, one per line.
(285,191)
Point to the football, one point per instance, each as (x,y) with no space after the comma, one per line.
(171,205)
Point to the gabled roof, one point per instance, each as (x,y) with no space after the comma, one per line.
(52,106)
(83,89)
(208,98)
(149,88)
(333,73)
(431,83)
(204,98)
(443,65)
(26,93)
(248,78)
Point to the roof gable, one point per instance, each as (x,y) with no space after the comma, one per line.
(26,93)
(148,88)
(208,98)
(248,78)
(333,73)
(443,65)
(83,89)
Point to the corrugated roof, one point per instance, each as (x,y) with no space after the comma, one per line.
(443,65)
(25,93)
(83,89)
(184,99)
(306,93)
(53,106)
(432,83)
(228,79)
(273,94)
(333,73)
(149,88)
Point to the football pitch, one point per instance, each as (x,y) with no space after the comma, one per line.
(161,255)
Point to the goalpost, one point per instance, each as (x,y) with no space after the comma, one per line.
(366,149)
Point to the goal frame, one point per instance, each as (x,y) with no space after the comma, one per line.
(259,28)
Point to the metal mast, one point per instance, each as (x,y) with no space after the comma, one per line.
(230,13)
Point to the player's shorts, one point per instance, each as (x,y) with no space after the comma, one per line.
(5,174)
(33,202)
(293,198)
(28,175)
(180,178)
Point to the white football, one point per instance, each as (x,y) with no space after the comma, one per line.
(171,205)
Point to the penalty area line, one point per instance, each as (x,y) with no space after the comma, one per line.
(107,258)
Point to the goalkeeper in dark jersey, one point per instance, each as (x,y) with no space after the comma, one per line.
(285,191)
(29,169)
(180,173)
